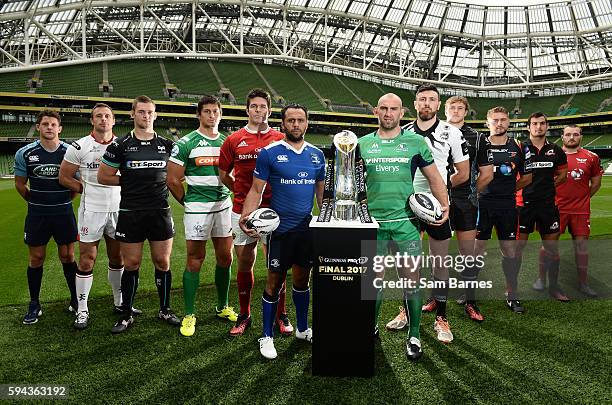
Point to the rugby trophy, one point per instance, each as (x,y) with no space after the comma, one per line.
(342,274)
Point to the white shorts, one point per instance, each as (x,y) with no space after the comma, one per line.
(241,238)
(93,225)
(205,226)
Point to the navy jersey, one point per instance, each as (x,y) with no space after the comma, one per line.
(509,159)
(546,161)
(41,167)
(293,175)
(143,171)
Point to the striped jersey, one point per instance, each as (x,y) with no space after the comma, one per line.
(199,155)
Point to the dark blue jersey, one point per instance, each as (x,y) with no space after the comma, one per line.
(293,175)
(41,167)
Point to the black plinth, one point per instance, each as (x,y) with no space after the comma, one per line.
(343,317)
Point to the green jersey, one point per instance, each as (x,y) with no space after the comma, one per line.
(390,167)
(199,155)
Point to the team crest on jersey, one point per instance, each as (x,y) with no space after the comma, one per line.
(402,147)
(550,152)
(175,151)
(314,158)
(581,160)
(274,262)
(33,158)
(282,158)
(444,135)
(161,149)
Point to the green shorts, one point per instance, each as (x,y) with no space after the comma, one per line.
(399,236)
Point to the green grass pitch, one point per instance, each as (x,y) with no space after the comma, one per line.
(554,353)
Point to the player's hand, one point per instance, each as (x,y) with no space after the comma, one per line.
(444,217)
(251,232)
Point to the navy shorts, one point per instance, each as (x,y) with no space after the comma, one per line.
(38,230)
(289,248)
(463,214)
(544,215)
(138,226)
(505,221)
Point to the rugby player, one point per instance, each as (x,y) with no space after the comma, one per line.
(391,156)
(538,203)
(98,209)
(236,164)
(504,167)
(450,153)
(573,198)
(49,208)
(296,171)
(144,213)
(195,157)
(463,201)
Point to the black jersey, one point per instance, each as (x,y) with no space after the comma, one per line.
(545,163)
(143,170)
(465,189)
(509,159)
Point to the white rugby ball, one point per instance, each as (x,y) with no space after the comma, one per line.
(263,220)
(426,207)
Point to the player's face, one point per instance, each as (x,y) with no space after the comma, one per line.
(538,127)
(571,137)
(427,104)
(49,128)
(295,124)
(103,120)
(144,115)
(455,113)
(210,116)
(389,112)
(258,111)
(498,123)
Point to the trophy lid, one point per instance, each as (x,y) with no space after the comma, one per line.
(345,141)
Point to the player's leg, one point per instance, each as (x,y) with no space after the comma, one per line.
(300,274)
(36,236)
(65,233)
(548,225)
(84,279)
(505,222)
(115,261)
(222,241)
(160,255)
(196,253)
(246,253)
(580,228)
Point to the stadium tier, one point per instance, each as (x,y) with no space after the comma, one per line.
(131,78)
(239,77)
(74,80)
(191,77)
(7,164)
(15,130)
(290,86)
(328,87)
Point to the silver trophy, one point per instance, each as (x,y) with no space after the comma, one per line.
(345,196)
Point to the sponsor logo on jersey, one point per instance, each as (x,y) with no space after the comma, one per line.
(372,161)
(145,164)
(242,144)
(541,165)
(201,143)
(75,145)
(302,175)
(120,234)
(207,161)
(554,226)
(274,262)
(132,149)
(93,165)
(282,158)
(247,156)
(33,158)
(374,148)
(550,152)
(145,143)
(576,174)
(49,171)
(505,168)
(297,181)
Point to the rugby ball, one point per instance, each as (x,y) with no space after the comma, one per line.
(426,207)
(263,220)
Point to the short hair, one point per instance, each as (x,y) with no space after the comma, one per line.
(458,99)
(141,99)
(294,106)
(537,114)
(101,105)
(208,99)
(258,93)
(573,126)
(498,109)
(49,113)
(427,87)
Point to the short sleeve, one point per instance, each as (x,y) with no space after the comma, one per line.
(484,157)
(178,154)
(525,166)
(226,156)
(561,157)
(72,154)
(21,168)
(321,171)
(424,157)
(112,156)
(596,168)
(459,148)
(262,166)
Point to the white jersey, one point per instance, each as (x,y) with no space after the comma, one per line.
(87,153)
(447,147)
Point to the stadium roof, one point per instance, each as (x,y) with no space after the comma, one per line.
(471,46)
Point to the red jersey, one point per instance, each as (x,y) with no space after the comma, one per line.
(574,196)
(239,153)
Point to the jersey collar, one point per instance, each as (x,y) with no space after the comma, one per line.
(134,136)
(427,132)
(298,151)
(206,136)
(102,143)
(246,128)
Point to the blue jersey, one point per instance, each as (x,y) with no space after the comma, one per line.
(41,167)
(292,174)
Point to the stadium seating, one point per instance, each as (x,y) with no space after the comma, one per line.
(191,77)
(75,80)
(290,86)
(590,101)
(15,81)
(131,78)
(329,87)
(7,164)
(240,78)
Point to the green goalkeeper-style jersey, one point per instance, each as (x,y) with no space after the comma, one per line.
(390,167)
(199,155)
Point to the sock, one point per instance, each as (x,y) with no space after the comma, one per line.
(163,281)
(412,304)
(70,270)
(222,282)
(34,281)
(551,264)
(83,283)
(378,305)
(268,309)
(282,308)
(129,285)
(440,294)
(245,285)
(510,268)
(114,279)
(191,282)
(542,265)
(301,300)
(469,275)
(582,265)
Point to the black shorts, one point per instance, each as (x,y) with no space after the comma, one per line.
(289,248)
(463,214)
(138,226)
(544,215)
(441,232)
(505,221)
(39,229)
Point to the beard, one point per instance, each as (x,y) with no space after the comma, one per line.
(294,138)
(501,134)
(426,116)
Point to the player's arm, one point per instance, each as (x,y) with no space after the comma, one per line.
(595,185)
(226,164)
(560,175)
(227,179)
(523,181)
(108,175)
(438,189)
(21,185)
(251,203)
(485,175)
(319,188)
(462,173)
(67,178)
(174,181)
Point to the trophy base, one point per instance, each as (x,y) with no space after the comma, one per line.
(345,210)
